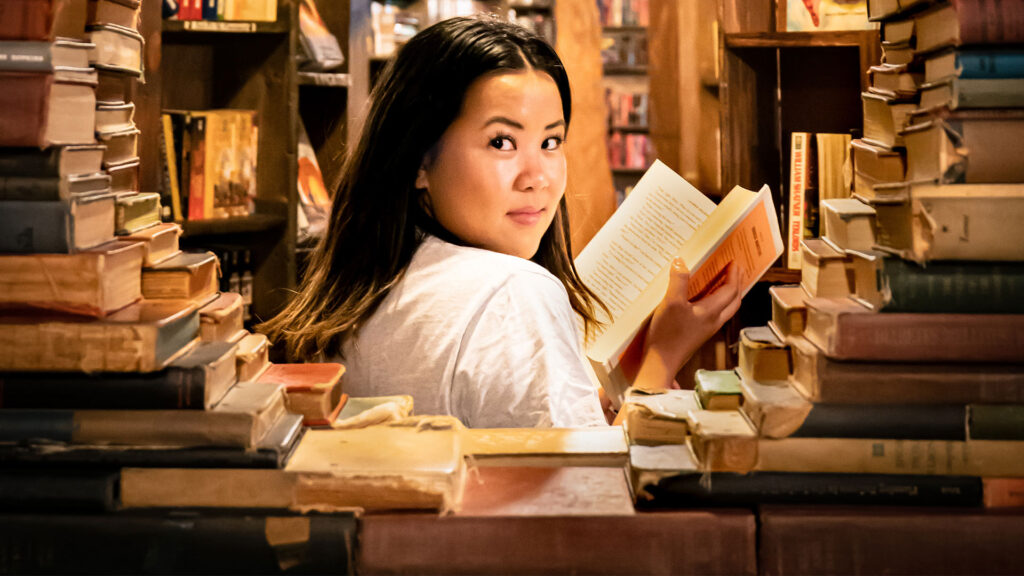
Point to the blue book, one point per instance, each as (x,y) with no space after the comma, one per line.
(56,226)
(210,9)
(975,63)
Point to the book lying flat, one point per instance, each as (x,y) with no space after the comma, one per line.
(310,389)
(161,242)
(188,275)
(627,263)
(603,446)
(221,320)
(142,337)
(93,282)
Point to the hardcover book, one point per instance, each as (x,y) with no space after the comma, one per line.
(311,389)
(186,276)
(136,212)
(546,446)
(964,147)
(763,355)
(160,242)
(54,162)
(93,282)
(56,226)
(221,320)
(658,418)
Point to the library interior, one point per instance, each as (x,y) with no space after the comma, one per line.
(512,286)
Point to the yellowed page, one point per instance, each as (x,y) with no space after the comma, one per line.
(627,262)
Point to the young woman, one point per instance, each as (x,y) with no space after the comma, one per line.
(446,270)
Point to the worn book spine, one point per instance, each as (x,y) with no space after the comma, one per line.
(996,422)
(990,21)
(128,427)
(31,162)
(1003,492)
(913,337)
(722,489)
(889,456)
(833,540)
(193,543)
(26,20)
(56,489)
(172,388)
(827,381)
(28,188)
(990,63)
(961,287)
(920,422)
(24,108)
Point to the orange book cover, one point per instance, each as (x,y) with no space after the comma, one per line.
(304,377)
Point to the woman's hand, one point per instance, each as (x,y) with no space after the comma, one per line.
(679,327)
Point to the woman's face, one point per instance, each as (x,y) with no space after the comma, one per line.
(498,172)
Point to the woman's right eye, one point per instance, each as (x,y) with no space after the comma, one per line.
(503,143)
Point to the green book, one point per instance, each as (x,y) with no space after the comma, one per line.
(718,389)
(996,421)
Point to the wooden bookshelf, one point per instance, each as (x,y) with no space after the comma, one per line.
(219,27)
(231,226)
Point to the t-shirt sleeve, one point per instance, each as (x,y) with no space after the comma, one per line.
(520,363)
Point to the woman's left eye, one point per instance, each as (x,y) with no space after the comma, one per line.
(553,143)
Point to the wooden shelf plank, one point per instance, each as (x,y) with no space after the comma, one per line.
(625,70)
(798,39)
(225,226)
(324,79)
(781,276)
(219,27)
(624,29)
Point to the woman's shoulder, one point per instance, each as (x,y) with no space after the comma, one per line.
(476,268)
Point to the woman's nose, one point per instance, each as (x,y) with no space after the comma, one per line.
(532,175)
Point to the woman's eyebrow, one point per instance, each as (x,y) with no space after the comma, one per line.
(517,125)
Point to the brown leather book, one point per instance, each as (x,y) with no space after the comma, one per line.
(846,330)
(677,542)
(42,19)
(889,541)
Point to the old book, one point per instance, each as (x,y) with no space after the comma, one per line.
(800,161)
(366,411)
(56,226)
(122,146)
(847,330)
(897,421)
(897,31)
(141,337)
(92,282)
(833,168)
(820,379)
(892,456)
(829,540)
(658,418)
(995,421)
(877,163)
(187,276)
(252,10)
(114,86)
(136,212)
(826,272)
(34,20)
(723,441)
(416,465)
(964,146)
(248,488)
(124,176)
(774,408)
(546,446)
(53,162)
(311,389)
(208,542)
(964,93)
(195,381)
(893,231)
(763,355)
(271,451)
(717,389)
(667,477)
(225,138)
(43,104)
(533,491)
(81,490)
(895,80)
(895,285)
(1003,492)
(647,543)
(221,320)
(896,54)
(975,62)
(966,22)
(850,224)
(120,12)
(240,419)
(117,48)
(114,116)
(871,191)
(742,231)
(160,242)
(789,313)
(884,117)
(253,356)
(54,187)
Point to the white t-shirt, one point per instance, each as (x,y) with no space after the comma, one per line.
(486,337)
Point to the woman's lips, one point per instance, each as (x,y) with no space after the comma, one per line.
(526,216)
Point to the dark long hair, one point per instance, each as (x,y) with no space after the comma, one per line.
(377,217)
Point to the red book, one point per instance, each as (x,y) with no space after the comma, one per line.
(312,390)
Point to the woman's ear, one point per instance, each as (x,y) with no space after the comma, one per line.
(421,177)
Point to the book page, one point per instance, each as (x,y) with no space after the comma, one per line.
(626,264)
(743,231)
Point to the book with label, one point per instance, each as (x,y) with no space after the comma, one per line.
(142,337)
(627,263)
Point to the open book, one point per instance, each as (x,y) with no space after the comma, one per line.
(627,263)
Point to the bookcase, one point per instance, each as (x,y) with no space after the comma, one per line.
(195,65)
